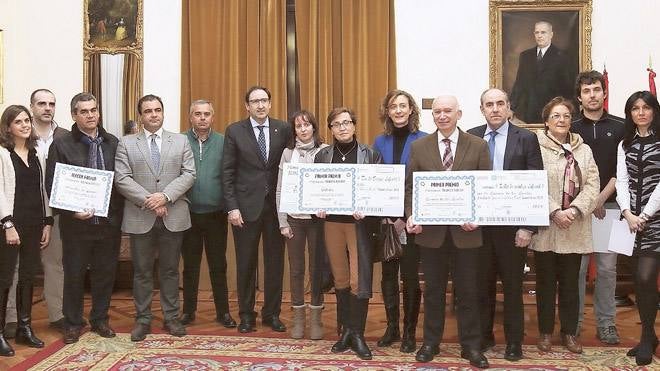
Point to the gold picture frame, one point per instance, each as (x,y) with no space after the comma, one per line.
(511,29)
(113,26)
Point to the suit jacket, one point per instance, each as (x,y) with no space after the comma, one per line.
(247,180)
(522,151)
(136,177)
(537,83)
(68,149)
(471,154)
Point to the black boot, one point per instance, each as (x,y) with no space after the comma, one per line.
(5,349)
(24,333)
(343,323)
(359,309)
(391,301)
(411,302)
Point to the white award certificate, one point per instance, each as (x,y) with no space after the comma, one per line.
(78,188)
(480,197)
(342,189)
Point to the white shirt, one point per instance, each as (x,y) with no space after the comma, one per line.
(543,50)
(623,188)
(159,138)
(43,144)
(500,144)
(255,128)
(453,137)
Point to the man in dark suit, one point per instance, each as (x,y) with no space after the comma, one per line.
(251,158)
(504,250)
(87,240)
(443,246)
(544,72)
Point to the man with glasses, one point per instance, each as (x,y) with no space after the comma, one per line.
(250,165)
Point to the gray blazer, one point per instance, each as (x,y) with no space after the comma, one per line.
(136,178)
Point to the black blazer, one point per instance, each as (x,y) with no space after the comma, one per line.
(537,83)
(247,180)
(522,151)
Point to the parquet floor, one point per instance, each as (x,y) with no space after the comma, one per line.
(122,316)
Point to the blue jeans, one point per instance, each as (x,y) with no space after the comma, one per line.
(604,306)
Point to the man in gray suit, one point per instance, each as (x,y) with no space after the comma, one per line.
(153,170)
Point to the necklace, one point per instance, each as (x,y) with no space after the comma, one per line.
(343,155)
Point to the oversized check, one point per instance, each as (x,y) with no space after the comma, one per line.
(481,197)
(78,188)
(342,189)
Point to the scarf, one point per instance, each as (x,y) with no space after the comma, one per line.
(94,159)
(305,149)
(572,174)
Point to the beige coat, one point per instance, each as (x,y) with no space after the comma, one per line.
(577,238)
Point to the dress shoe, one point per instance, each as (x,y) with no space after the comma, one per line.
(71,334)
(426,353)
(104,330)
(476,358)
(513,351)
(274,323)
(186,318)
(174,328)
(140,331)
(571,343)
(544,342)
(247,325)
(226,320)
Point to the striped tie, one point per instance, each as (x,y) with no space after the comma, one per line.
(447,159)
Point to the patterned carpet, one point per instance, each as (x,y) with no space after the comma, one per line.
(208,352)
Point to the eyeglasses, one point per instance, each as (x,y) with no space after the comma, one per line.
(305,125)
(257,101)
(344,124)
(558,116)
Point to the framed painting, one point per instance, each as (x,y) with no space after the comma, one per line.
(537,47)
(2,68)
(113,26)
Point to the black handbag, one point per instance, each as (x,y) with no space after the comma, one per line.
(391,243)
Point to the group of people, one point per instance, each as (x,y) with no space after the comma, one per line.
(175,194)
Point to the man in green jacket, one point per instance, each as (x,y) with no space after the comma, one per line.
(209,220)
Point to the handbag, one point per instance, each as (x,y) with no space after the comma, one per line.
(391,243)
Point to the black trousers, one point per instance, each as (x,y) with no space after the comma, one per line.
(557,273)
(437,263)
(208,233)
(28,254)
(408,264)
(246,240)
(98,249)
(500,257)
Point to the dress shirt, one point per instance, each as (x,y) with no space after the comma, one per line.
(159,138)
(43,144)
(500,144)
(266,133)
(454,143)
(201,142)
(543,50)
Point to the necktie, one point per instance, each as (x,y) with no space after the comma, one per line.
(262,142)
(155,153)
(447,159)
(539,56)
(491,147)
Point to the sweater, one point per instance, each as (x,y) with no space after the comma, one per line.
(206,194)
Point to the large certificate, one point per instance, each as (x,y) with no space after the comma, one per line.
(342,189)
(481,197)
(79,188)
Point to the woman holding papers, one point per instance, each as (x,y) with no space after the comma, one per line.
(26,219)
(301,229)
(400,116)
(573,185)
(348,238)
(638,195)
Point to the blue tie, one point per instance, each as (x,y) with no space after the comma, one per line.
(262,142)
(155,153)
(491,147)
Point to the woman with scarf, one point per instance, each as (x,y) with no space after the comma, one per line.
(573,185)
(400,116)
(302,229)
(25,217)
(638,195)
(348,238)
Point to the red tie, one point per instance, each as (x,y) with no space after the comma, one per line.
(447,158)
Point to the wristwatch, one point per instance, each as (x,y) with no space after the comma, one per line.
(7,225)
